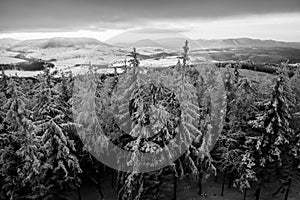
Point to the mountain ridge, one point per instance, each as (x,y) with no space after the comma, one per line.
(246,42)
(177,43)
(139,43)
(55,42)
(168,43)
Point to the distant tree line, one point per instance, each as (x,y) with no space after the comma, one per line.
(250,65)
(34,65)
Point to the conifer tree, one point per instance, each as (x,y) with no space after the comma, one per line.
(241,160)
(185,56)
(3,88)
(145,94)
(169,101)
(20,149)
(132,101)
(289,170)
(232,154)
(53,122)
(273,121)
(90,100)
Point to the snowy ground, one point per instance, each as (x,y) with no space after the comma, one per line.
(71,58)
(6,53)
(84,69)
(166,62)
(188,190)
(22,73)
(10,60)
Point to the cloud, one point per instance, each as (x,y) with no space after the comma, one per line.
(64,15)
(160,31)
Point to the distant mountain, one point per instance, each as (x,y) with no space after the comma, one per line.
(55,43)
(167,43)
(177,43)
(245,42)
(139,43)
(7,43)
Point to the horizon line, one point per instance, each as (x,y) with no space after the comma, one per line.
(193,39)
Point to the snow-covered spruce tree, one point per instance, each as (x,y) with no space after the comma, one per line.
(240,157)
(3,81)
(296,113)
(134,99)
(289,171)
(228,152)
(3,99)
(169,100)
(66,86)
(20,149)
(189,106)
(149,102)
(89,107)
(296,91)
(195,91)
(220,150)
(211,98)
(53,122)
(273,121)
(191,141)
(3,96)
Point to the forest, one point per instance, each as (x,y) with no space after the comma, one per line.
(55,130)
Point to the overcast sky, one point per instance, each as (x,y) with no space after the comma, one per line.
(265,19)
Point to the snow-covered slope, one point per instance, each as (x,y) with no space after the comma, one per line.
(55,43)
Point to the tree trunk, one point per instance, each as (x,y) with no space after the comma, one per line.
(230,181)
(79,193)
(223,185)
(175,188)
(200,183)
(216,178)
(286,195)
(257,193)
(245,193)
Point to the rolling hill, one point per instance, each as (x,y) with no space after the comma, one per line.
(167,43)
(177,43)
(139,43)
(7,43)
(245,42)
(55,43)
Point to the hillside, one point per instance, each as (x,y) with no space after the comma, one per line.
(176,43)
(167,43)
(55,43)
(245,42)
(139,43)
(7,42)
